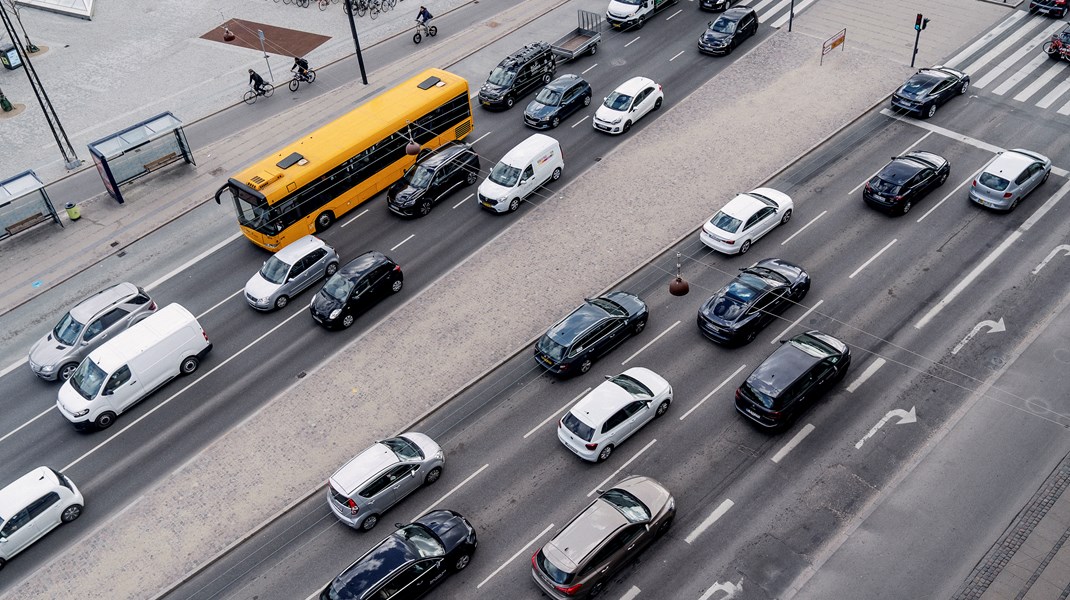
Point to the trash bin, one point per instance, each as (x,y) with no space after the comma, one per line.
(10,57)
(73,211)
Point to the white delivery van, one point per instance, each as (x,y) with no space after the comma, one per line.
(532,163)
(626,14)
(132,365)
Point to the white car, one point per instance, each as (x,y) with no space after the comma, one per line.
(745,219)
(33,505)
(627,104)
(612,412)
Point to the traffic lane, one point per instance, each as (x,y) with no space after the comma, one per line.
(1006,123)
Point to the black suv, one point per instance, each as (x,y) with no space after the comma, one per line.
(432,178)
(728,31)
(410,562)
(519,73)
(741,309)
(590,332)
(793,377)
(559,99)
(355,288)
(905,180)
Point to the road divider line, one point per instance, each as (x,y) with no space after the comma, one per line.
(482,136)
(15,430)
(715,390)
(673,15)
(463,201)
(584,118)
(220,303)
(805,431)
(513,557)
(677,55)
(631,594)
(584,72)
(633,41)
(953,191)
(557,412)
(355,217)
(905,150)
(411,235)
(803,228)
(710,520)
(621,468)
(872,258)
(795,323)
(192,261)
(649,343)
(870,370)
(12,367)
(450,493)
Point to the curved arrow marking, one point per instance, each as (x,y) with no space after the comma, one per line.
(993,327)
(1064,248)
(730,589)
(905,416)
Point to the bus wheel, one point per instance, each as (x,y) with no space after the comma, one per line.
(324,220)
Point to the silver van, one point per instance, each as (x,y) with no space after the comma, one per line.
(85,327)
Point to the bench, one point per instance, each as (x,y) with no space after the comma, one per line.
(27,223)
(159,162)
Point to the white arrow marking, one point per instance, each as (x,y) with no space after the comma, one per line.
(727,587)
(993,327)
(904,417)
(1065,248)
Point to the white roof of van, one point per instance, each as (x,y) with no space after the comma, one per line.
(120,349)
(535,143)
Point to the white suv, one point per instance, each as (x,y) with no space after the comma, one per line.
(33,505)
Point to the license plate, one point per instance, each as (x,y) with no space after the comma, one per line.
(754,414)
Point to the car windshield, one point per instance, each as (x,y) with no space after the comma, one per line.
(628,505)
(67,330)
(631,2)
(403,448)
(502,77)
(421,540)
(725,222)
(419,176)
(87,379)
(617,101)
(550,348)
(338,287)
(578,427)
(994,182)
(505,175)
(633,386)
(724,25)
(549,97)
(275,270)
(883,187)
(555,574)
(766,274)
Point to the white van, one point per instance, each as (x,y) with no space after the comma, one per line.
(131,366)
(530,164)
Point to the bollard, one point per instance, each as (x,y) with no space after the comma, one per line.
(73,211)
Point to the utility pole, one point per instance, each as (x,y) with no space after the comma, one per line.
(353,27)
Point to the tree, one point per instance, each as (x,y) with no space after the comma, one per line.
(15,8)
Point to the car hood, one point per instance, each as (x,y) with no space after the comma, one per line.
(538,110)
(401,193)
(492,190)
(426,444)
(47,351)
(258,287)
(70,399)
(715,37)
(604,113)
(648,491)
(322,304)
(619,9)
(448,526)
(491,89)
(650,379)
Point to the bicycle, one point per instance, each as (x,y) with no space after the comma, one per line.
(360,7)
(388,4)
(374,8)
(302,3)
(323,4)
(308,77)
(251,96)
(425,29)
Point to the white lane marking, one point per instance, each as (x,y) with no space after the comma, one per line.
(1020,74)
(780,5)
(991,258)
(176,394)
(631,594)
(355,217)
(584,72)
(411,235)
(796,322)
(483,136)
(873,258)
(620,468)
(905,150)
(799,6)
(710,520)
(758,7)
(715,390)
(988,37)
(730,589)
(450,493)
(870,370)
(555,413)
(1061,248)
(1065,110)
(15,430)
(1010,40)
(220,303)
(580,121)
(463,201)
(12,367)
(1040,82)
(1053,95)
(803,228)
(649,343)
(674,14)
(633,41)
(1026,48)
(513,557)
(805,431)
(192,261)
(953,191)
(677,55)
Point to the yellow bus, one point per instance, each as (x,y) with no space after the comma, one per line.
(305,186)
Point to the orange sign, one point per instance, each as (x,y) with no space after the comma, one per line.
(836,40)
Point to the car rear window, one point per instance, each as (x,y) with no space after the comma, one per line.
(994,182)
(883,187)
(725,222)
(578,427)
(555,574)
(551,348)
(757,397)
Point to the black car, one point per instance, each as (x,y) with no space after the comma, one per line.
(559,99)
(905,180)
(796,374)
(517,74)
(728,31)
(355,288)
(930,88)
(410,562)
(432,178)
(741,309)
(717,4)
(590,332)
(1054,8)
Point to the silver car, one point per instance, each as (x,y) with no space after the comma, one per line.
(381,476)
(1009,177)
(289,271)
(86,326)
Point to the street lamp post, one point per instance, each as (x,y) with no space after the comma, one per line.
(353,27)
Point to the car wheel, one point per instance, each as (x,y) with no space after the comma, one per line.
(462,562)
(906,207)
(597,589)
(753,333)
(746,246)
(555,122)
(105,420)
(546,78)
(932,111)
(347,321)
(639,327)
(324,220)
(606,452)
(587,100)
(1046,174)
(943,178)
(965,87)
(627,126)
(281,302)
(556,174)
(71,513)
(657,104)
(662,408)
(585,365)
(515,204)
(594,49)
(67,370)
(471,178)
(331,269)
(509,101)
(786,217)
(664,527)
(425,208)
(2,563)
(189,365)
(1014,205)
(396,286)
(433,475)
(642,21)
(369,522)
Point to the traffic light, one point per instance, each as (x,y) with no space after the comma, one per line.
(924,22)
(919,23)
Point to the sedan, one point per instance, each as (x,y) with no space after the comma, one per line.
(555,102)
(761,292)
(1009,177)
(930,88)
(745,219)
(289,271)
(355,288)
(627,104)
(599,325)
(905,180)
(728,31)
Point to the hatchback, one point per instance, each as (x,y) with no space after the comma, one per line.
(582,558)
(906,180)
(408,563)
(599,325)
(627,104)
(612,412)
(1009,177)
(794,376)
(289,271)
(728,31)
(433,178)
(33,505)
(930,88)
(555,102)
(745,219)
(86,326)
(355,288)
(739,311)
(381,476)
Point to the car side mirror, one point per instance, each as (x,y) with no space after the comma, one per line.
(3,540)
(608,377)
(599,492)
(412,473)
(709,24)
(783,341)
(398,525)
(107,392)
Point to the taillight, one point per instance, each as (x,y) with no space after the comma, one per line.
(739,395)
(591,446)
(152,305)
(534,565)
(1007,194)
(397,268)
(353,508)
(205,334)
(974,183)
(896,198)
(867,186)
(730,242)
(570,590)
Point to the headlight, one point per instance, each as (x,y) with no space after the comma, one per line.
(440,455)
(334,314)
(81,413)
(48,368)
(614,121)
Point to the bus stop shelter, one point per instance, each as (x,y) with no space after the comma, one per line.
(139,150)
(24,203)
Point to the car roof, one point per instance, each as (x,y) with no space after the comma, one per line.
(148,332)
(88,308)
(901,169)
(363,263)
(584,533)
(376,565)
(1010,164)
(363,467)
(601,402)
(299,249)
(18,494)
(634,85)
(443,154)
(785,365)
(737,12)
(585,316)
(743,206)
(564,82)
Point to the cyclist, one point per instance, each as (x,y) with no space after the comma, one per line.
(424,16)
(256,82)
(301,65)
